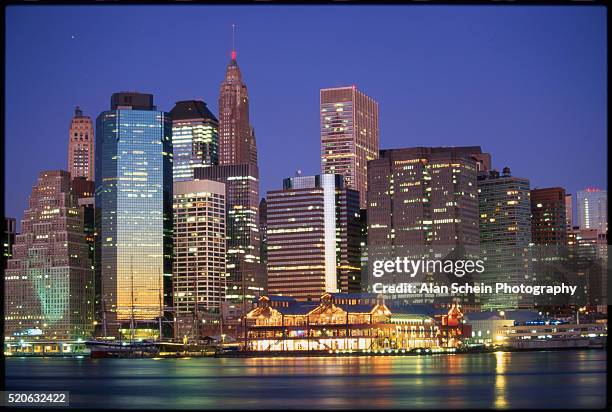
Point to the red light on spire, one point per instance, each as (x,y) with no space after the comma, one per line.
(233,42)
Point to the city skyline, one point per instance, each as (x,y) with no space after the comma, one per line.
(420,128)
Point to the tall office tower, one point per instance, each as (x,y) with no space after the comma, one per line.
(423,203)
(199,279)
(550,238)
(194,138)
(263,233)
(10,231)
(242,226)
(349,135)
(548,216)
(236,136)
(569,212)
(81,146)
(238,170)
(423,196)
(505,235)
(49,283)
(592,205)
(590,259)
(313,237)
(134,213)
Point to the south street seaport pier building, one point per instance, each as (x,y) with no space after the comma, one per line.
(349,322)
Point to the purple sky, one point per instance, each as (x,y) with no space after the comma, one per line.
(528,84)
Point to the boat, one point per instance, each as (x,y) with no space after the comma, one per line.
(117,349)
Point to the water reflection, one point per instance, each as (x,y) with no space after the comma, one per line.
(569,379)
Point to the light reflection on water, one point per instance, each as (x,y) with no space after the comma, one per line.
(566,379)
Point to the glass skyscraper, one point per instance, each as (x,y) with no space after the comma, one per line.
(592,205)
(194,138)
(133,212)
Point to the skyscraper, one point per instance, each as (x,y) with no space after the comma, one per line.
(81,146)
(199,279)
(423,203)
(548,216)
(314,237)
(134,212)
(349,135)
(238,170)
(423,196)
(236,136)
(194,138)
(505,235)
(242,227)
(592,205)
(49,282)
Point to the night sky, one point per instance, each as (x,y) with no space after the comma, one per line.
(527,84)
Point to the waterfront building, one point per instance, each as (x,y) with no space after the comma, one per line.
(198,278)
(347,322)
(10,232)
(313,237)
(423,201)
(194,138)
(133,204)
(590,251)
(592,207)
(349,135)
(81,146)
(505,236)
(49,282)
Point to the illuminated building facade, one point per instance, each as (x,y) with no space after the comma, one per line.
(49,282)
(263,233)
(548,216)
(313,237)
(569,212)
(423,196)
(81,146)
(134,212)
(242,223)
(423,202)
(347,322)
(194,138)
(505,235)
(349,135)
(592,207)
(10,231)
(236,136)
(199,252)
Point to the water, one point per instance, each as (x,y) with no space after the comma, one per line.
(562,379)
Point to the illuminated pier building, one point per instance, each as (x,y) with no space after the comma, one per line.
(49,281)
(199,253)
(313,232)
(134,214)
(194,138)
(505,235)
(348,322)
(349,135)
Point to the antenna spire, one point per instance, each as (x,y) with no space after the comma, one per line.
(233,42)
